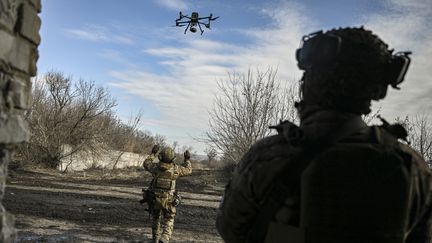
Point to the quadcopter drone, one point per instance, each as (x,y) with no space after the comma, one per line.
(193,21)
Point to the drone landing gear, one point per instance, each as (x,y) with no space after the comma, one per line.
(202,31)
(186,29)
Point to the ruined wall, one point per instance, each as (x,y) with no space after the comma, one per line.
(19,38)
(104,160)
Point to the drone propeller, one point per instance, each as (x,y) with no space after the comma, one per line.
(180,16)
(211,17)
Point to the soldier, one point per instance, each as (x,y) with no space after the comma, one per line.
(333,178)
(165,173)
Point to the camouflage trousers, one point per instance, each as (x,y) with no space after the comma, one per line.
(163,223)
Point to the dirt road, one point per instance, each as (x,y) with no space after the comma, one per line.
(98,207)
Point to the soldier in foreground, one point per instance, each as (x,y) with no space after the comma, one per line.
(333,179)
(163,189)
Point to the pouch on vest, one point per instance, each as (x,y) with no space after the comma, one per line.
(356,193)
(176,199)
(165,180)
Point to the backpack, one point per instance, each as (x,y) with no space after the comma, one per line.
(338,185)
(357,193)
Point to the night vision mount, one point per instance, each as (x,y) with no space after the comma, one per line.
(320,48)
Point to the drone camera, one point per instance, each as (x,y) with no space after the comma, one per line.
(193,29)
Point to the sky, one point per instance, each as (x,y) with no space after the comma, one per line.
(131,48)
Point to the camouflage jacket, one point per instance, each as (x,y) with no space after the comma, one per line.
(255,174)
(165,175)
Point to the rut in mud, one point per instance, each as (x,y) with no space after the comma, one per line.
(97,207)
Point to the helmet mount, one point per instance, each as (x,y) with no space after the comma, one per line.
(320,49)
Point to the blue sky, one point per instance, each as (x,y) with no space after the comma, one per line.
(130,47)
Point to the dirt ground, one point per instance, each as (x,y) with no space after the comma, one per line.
(96,206)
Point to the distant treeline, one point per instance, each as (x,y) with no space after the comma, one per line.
(246,104)
(81,115)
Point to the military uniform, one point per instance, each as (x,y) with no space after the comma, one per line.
(344,70)
(164,185)
(255,176)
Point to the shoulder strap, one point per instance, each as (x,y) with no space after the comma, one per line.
(288,181)
(154,179)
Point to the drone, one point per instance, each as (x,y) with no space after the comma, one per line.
(193,21)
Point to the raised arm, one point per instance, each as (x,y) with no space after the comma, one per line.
(148,162)
(186,167)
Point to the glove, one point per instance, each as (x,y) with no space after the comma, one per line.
(186,155)
(155,149)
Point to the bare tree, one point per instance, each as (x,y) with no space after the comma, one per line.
(145,141)
(68,117)
(65,114)
(126,139)
(244,108)
(211,154)
(419,134)
(160,140)
(174,146)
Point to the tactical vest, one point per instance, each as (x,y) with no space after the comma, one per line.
(353,192)
(165,180)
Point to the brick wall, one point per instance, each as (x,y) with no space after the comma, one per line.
(19,39)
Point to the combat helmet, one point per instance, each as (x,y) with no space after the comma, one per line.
(166,155)
(346,68)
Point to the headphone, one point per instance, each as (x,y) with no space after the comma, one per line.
(320,48)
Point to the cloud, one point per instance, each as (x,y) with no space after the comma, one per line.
(117,57)
(184,93)
(184,90)
(173,4)
(98,33)
(407,26)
